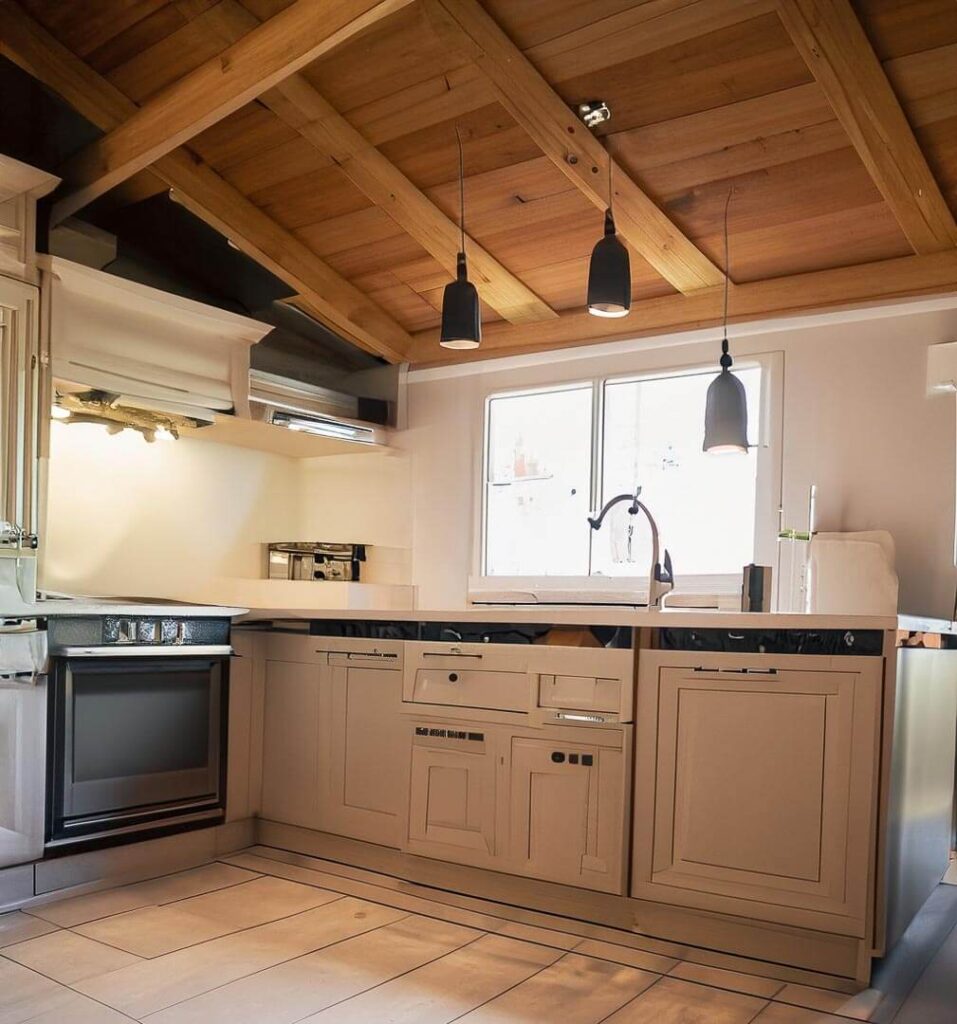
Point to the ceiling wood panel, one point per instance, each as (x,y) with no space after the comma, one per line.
(836,48)
(706,95)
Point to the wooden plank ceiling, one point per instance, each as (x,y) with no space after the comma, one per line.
(834,122)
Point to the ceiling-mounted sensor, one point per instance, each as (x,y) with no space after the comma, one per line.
(594,113)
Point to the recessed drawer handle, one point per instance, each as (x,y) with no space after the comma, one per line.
(359,654)
(449,654)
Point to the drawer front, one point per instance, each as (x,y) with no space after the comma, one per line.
(579,693)
(469,676)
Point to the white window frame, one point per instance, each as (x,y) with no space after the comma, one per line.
(767,482)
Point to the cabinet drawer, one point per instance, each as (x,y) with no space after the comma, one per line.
(469,676)
(579,693)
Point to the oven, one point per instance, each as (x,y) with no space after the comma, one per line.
(137,736)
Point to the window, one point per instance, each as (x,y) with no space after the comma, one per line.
(552,456)
(539,483)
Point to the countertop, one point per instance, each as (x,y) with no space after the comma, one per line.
(81,606)
(592,615)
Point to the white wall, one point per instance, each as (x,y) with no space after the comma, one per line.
(187,520)
(857,421)
(159,520)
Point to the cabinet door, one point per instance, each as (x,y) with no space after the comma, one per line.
(567,812)
(452,810)
(756,792)
(291,743)
(20,411)
(361,756)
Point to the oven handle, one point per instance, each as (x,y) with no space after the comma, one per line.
(133,651)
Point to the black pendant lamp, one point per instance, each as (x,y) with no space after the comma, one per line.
(609,272)
(461,320)
(726,408)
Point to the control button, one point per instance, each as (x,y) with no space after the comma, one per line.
(421,731)
(557,756)
(588,760)
(453,677)
(437,732)
(146,631)
(478,737)
(573,759)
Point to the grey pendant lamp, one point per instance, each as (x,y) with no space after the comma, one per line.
(461,318)
(609,272)
(726,407)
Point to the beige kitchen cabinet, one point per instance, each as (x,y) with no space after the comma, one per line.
(20,417)
(453,809)
(291,728)
(567,809)
(361,793)
(756,786)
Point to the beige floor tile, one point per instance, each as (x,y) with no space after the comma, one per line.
(77,1009)
(573,990)
(67,957)
(297,988)
(857,1007)
(781,1013)
(626,955)
(154,931)
(444,990)
(155,892)
(17,926)
(735,981)
(671,1001)
(544,936)
(24,994)
(153,985)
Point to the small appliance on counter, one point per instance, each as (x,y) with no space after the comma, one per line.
(314,560)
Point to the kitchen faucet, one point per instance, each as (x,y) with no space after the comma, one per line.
(660,581)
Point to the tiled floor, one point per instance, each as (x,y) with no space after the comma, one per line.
(266,938)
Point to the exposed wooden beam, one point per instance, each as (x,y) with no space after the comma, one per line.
(824,289)
(328,295)
(841,58)
(303,108)
(277,48)
(535,105)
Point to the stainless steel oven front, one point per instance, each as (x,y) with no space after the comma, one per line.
(137,739)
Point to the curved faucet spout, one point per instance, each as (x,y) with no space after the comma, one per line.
(660,581)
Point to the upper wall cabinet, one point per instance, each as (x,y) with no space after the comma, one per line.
(756,782)
(155,349)
(20,188)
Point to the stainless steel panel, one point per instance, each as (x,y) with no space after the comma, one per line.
(921,805)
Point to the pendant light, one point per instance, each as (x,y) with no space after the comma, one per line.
(726,408)
(609,272)
(461,320)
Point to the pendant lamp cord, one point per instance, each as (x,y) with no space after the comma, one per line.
(611,191)
(725,356)
(458,138)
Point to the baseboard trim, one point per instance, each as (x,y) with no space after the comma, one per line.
(796,955)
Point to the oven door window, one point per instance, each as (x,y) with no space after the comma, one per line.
(140,733)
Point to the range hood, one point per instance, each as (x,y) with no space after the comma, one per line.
(310,409)
(155,350)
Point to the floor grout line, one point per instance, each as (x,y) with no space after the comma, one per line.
(510,988)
